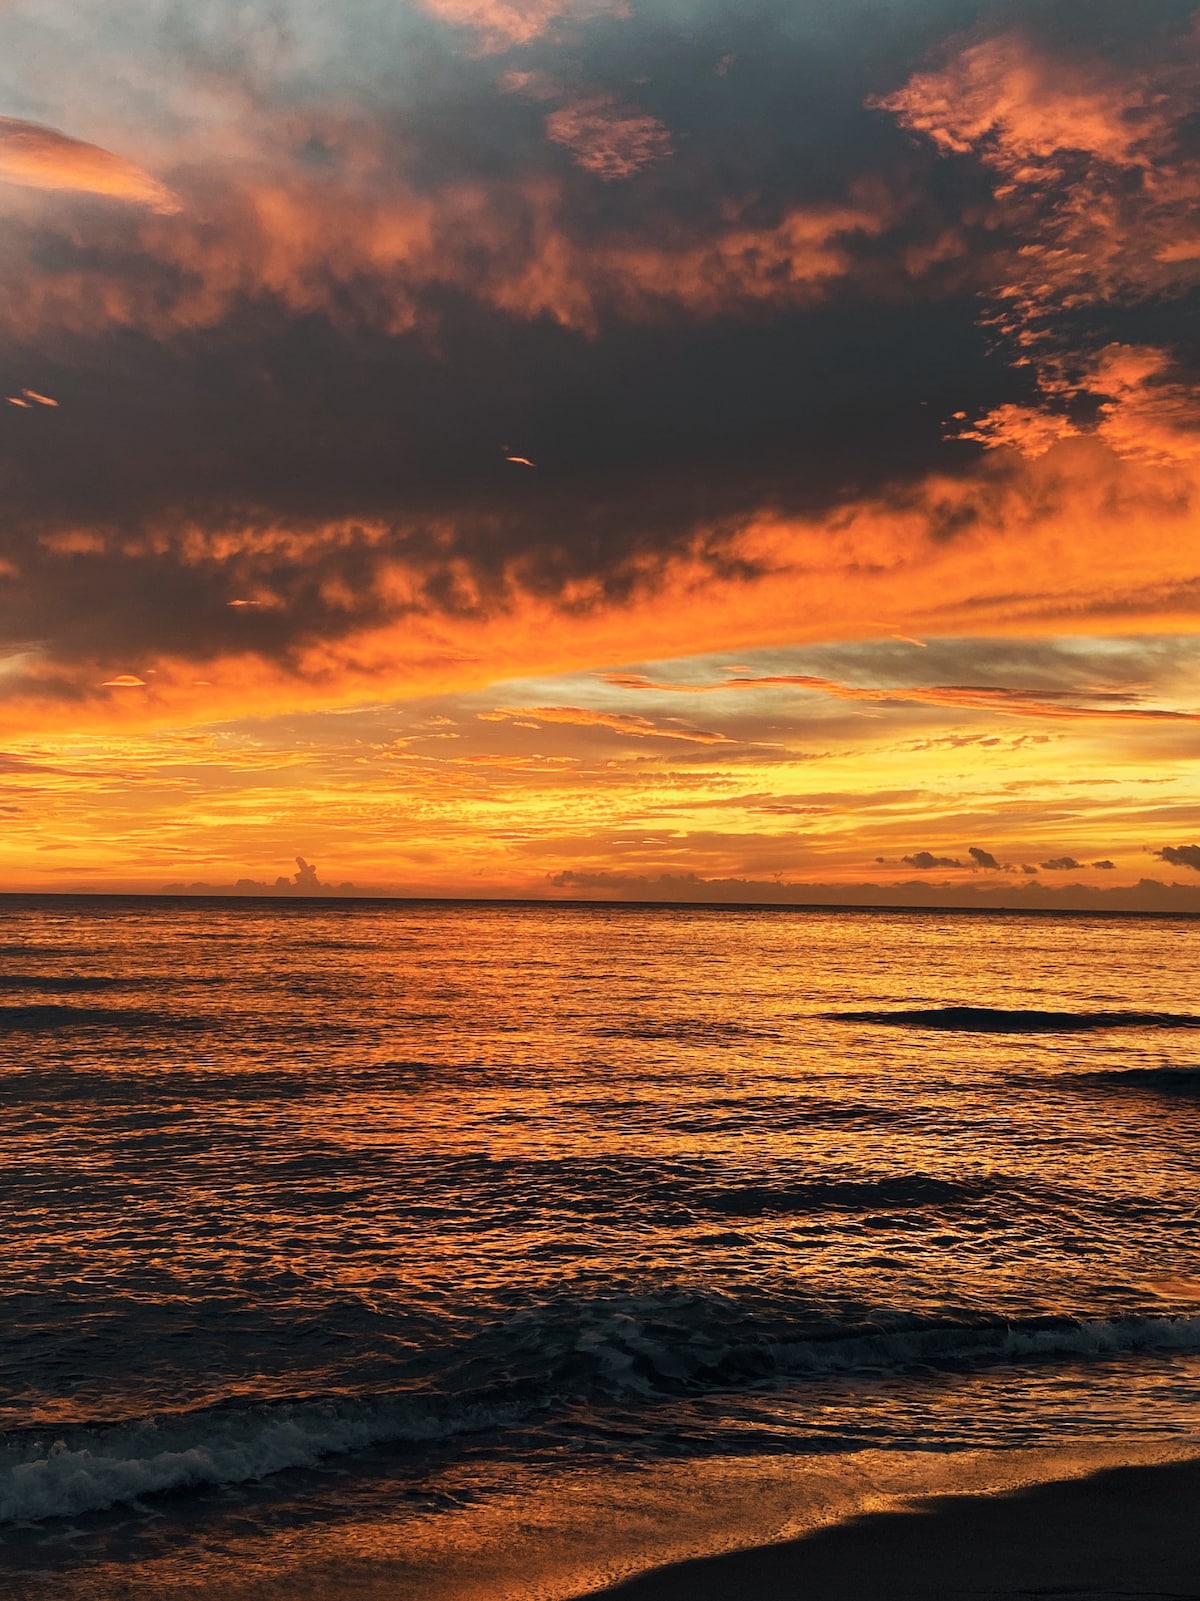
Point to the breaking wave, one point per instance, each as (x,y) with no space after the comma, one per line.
(93,1470)
(623,1351)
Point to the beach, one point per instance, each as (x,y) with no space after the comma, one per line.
(1123,1532)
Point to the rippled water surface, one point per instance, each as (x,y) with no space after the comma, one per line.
(320,1212)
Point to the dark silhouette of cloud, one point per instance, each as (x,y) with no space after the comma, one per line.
(983,858)
(1106,865)
(1061,864)
(1180,856)
(925,860)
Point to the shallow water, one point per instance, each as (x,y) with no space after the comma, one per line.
(327,1218)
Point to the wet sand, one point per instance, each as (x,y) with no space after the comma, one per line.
(1121,1533)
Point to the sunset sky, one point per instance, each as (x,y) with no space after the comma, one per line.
(651,448)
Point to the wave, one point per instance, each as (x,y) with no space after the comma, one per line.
(686,1031)
(622,1351)
(999,1020)
(62,984)
(97,1469)
(1157,1080)
(27,950)
(38,1017)
(904,1190)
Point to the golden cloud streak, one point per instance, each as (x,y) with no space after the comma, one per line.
(36,157)
(619,722)
(1053,704)
(1077,541)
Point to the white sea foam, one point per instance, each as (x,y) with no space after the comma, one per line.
(101,1468)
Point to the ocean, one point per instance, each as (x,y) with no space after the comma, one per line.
(451,1250)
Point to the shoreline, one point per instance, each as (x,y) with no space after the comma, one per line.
(1125,1532)
(1116,1523)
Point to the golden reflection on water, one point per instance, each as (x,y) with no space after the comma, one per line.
(561,1536)
(621,1168)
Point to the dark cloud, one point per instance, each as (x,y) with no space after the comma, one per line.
(925,860)
(983,858)
(1105,865)
(1180,856)
(1061,864)
(695,299)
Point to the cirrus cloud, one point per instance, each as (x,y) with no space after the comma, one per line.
(36,157)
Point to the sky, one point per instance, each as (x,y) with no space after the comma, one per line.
(669,449)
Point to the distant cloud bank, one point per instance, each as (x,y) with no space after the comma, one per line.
(1147,895)
(304,881)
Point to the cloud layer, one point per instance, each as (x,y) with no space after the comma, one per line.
(384,257)
(399,351)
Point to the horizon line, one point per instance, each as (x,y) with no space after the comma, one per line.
(582,901)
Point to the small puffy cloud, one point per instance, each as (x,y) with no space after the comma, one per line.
(1181,856)
(608,138)
(983,858)
(503,24)
(1106,865)
(1061,864)
(37,157)
(925,860)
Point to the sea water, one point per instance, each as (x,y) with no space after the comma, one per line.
(463,1249)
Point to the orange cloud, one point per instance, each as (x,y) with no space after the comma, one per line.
(620,722)
(1077,541)
(1002,96)
(501,24)
(36,157)
(1149,413)
(1094,178)
(1146,414)
(609,139)
(1054,704)
(364,251)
